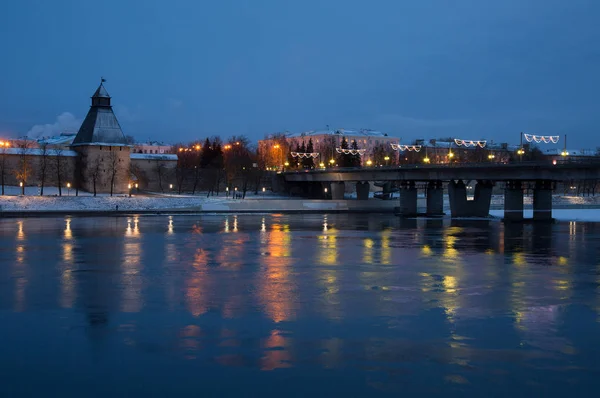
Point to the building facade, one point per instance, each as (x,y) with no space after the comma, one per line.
(276,149)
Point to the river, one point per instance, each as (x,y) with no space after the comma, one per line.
(297,305)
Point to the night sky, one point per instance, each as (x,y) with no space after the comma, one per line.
(182,70)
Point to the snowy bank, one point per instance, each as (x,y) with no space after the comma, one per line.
(591,215)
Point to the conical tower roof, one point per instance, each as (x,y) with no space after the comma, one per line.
(101,92)
(100,126)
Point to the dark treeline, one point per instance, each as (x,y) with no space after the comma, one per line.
(217,167)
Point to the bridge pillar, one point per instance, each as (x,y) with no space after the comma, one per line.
(337,190)
(513,201)
(408,199)
(362,190)
(478,207)
(542,200)
(457,194)
(483,198)
(435,198)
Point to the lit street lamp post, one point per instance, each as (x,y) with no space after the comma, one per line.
(68,189)
(564,152)
(129,188)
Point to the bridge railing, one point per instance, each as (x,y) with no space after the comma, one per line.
(594,161)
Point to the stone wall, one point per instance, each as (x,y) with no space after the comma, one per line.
(104,166)
(18,166)
(88,163)
(154,173)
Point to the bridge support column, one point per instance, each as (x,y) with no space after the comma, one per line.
(478,207)
(337,190)
(483,198)
(513,201)
(408,199)
(457,194)
(542,200)
(362,190)
(386,191)
(435,198)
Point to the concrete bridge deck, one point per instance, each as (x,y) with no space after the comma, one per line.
(331,184)
(525,171)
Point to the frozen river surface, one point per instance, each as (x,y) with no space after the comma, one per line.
(278,305)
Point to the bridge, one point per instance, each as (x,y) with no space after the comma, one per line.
(541,176)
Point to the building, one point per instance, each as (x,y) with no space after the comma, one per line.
(152,147)
(105,153)
(64,141)
(325,144)
(96,159)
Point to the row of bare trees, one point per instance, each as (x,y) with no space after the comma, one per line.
(48,166)
(214,166)
(49,170)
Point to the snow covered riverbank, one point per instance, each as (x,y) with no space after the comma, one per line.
(591,215)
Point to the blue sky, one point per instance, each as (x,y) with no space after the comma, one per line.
(180,70)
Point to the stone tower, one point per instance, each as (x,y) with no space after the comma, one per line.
(104,154)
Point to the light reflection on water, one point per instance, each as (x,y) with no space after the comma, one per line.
(381,304)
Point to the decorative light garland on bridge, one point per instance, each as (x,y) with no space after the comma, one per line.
(305,155)
(402,148)
(546,139)
(350,151)
(469,143)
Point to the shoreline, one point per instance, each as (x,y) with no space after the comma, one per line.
(198,211)
(82,206)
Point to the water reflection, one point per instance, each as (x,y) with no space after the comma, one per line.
(342,292)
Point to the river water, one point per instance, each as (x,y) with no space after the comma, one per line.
(297,305)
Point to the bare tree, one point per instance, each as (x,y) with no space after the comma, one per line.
(58,166)
(43,166)
(78,173)
(113,169)
(159,167)
(95,173)
(25,169)
(3,164)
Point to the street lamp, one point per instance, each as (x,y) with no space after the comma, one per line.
(387,160)
(68,189)
(170,186)
(564,152)
(129,188)
(332,162)
(136,187)
(369,162)
(235,193)
(322,165)
(280,157)
(263,191)
(22,188)
(491,156)
(227,191)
